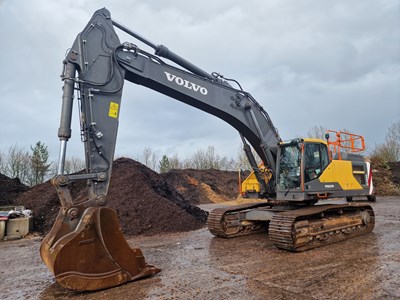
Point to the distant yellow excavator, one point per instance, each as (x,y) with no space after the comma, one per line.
(86,249)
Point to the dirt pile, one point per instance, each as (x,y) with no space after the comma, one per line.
(395,169)
(386,177)
(10,189)
(146,204)
(204,186)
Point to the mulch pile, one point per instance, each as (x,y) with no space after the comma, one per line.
(146,204)
(395,169)
(10,189)
(204,186)
(386,177)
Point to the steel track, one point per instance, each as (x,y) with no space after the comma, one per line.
(299,229)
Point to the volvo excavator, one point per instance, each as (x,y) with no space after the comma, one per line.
(86,249)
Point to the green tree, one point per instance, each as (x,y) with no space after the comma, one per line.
(164,165)
(39,163)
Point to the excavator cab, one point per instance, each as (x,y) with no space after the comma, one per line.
(300,161)
(312,169)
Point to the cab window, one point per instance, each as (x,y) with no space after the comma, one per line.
(315,160)
(289,169)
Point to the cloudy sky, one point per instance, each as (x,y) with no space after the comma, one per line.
(308,62)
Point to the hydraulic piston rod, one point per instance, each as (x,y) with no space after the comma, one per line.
(163,51)
(64,131)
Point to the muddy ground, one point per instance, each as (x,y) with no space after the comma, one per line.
(197,265)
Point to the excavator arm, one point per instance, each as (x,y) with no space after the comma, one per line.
(103,63)
(86,249)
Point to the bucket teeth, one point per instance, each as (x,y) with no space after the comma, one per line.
(94,255)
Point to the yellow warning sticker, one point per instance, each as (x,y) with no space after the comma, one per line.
(113,112)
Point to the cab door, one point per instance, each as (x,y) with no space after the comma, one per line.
(316,159)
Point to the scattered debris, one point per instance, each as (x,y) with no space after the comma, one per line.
(15,222)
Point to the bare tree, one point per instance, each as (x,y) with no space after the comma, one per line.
(243,163)
(16,164)
(149,158)
(29,168)
(394,132)
(390,150)
(174,162)
(74,164)
(208,159)
(212,159)
(197,160)
(2,161)
(146,156)
(227,164)
(317,132)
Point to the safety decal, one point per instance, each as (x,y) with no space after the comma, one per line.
(113,112)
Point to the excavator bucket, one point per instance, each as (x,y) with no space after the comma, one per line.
(92,254)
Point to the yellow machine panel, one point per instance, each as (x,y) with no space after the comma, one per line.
(250,184)
(341,171)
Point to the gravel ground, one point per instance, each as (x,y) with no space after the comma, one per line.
(196,265)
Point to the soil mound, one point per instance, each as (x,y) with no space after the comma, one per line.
(10,189)
(146,204)
(204,186)
(395,168)
(386,177)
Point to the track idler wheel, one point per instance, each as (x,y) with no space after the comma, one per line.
(94,255)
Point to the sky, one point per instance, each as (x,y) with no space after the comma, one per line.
(309,63)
